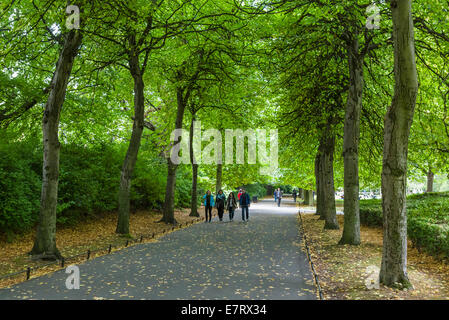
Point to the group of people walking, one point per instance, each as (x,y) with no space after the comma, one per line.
(221,202)
(278,196)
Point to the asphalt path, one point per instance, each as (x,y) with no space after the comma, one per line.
(257,259)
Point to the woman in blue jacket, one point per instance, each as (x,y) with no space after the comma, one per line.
(208,204)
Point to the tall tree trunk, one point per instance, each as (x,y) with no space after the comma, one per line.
(45,240)
(194,199)
(308,197)
(169,204)
(319,185)
(219,177)
(330,212)
(398,121)
(351,229)
(430,177)
(134,144)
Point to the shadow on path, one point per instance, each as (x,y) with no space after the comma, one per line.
(258,259)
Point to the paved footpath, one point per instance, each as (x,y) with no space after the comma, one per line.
(258,259)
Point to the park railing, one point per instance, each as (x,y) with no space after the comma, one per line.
(309,257)
(88,253)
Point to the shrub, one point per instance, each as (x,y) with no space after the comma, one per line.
(256,190)
(20,187)
(88,182)
(148,185)
(371,212)
(427,217)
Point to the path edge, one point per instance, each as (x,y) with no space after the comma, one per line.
(309,258)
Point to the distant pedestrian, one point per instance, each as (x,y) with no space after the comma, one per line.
(220,203)
(279,196)
(294,195)
(275,195)
(232,204)
(245,202)
(208,205)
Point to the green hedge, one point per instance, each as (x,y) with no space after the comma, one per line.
(256,190)
(371,212)
(88,183)
(427,217)
(20,186)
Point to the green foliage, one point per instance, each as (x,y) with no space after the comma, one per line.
(20,185)
(256,190)
(284,188)
(148,185)
(371,212)
(88,183)
(428,220)
(183,190)
(88,180)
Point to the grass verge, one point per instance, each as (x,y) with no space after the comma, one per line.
(343,269)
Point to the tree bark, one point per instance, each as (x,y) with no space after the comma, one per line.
(45,240)
(219,177)
(319,185)
(134,144)
(194,200)
(398,121)
(169,204)
(430,178)
(308,197)
(351,229)
(329,209)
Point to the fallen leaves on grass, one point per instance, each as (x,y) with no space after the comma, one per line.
(342,268)
(93,234)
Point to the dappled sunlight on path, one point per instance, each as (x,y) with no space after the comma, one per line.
(258,259)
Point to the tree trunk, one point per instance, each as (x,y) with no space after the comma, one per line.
(219,177)
(194,200)
(430,177)
(134,144)
(351,229)
(169,204)
(318,185)
(330,212)
(45,240)
(308,197)
(398,121)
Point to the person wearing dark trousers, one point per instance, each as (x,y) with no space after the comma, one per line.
(295,194)
(232,204)
(220,203)
(245,202)
(279,196)
(208,205)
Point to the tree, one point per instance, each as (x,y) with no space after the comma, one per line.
(398,121)
(45,240)
(185,78)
